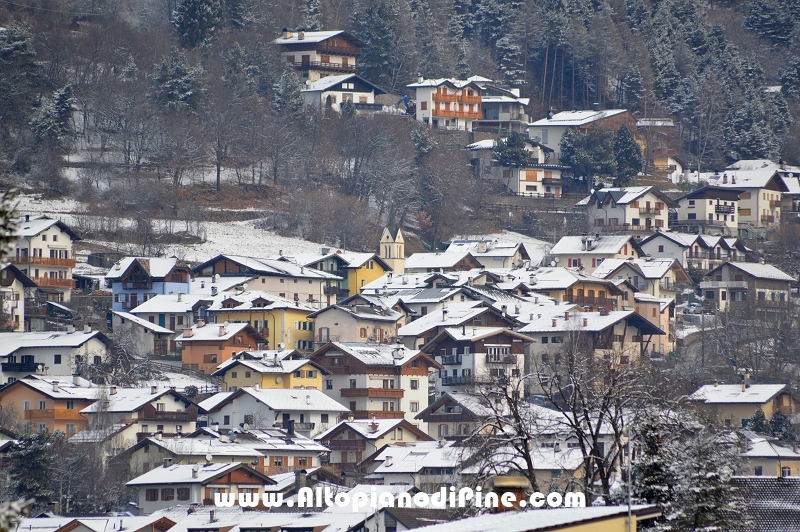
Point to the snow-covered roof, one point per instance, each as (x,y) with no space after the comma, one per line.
(733,393)
(212,332)
(576,118)
(183,474)
(761,448)
(128,400)
(143,323)
(426,261)
(457,313)
(755,173)
(371,430)
(412,457)
(761,271)
(650,268)
(486,144)
(327,82)
(595,322)
(655,122)
(456,83)
(97,524)
(308,37)
(201,286)
(622,196)
(169,304)
(156,268)
(273,267)
(377,354)
(66,388)
(100,435)
(606,245)
(274,362)
(281,399)
(203,446)
(254,299)
(364,312)
(36,224)
(14,341)
(474,334)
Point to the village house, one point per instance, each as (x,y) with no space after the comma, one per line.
(169,485)
(36,403)
(50,353)
(270,369)
(364,319)
(351,441)
(375,380)
(570,285)
(494,254)
(622,337)
(348,271)
(476,356)
(317,54)
(588,252)
(630,209)
(281,321)
(747,285)
(660,278)
(43,252)
(549,130)
(769,458)
(174,312)
(660,311)
(128,523)
(13,283)
(537,178)
(502,109)
(204,347)
(143,411)
(709,210)
(427,465)
(134,280)
(448,103)
(735,404)
(303,411)
(455,415)
(661,140)
(440,262)
(284,278)
(146,338)
(760,186)
(330,92)
(424,301)
(701,252)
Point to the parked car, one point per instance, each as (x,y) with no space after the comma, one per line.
(693,308)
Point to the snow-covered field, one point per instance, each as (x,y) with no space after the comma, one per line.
(233,238)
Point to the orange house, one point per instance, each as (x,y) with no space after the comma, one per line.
(42,403)
(206,346)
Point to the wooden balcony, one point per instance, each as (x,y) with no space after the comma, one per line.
(649,210)
(592,301)
(53,413)
(319,65)
(346,445)
(440,97)
(469,99)
(379,414)
(338,370)
(775,203)
(451,360)
(54,281)
(43,261)
(456,114)
(395,393)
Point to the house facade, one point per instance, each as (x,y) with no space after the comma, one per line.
(448,103)
(205,346)
(587,252)
(747,285)
(270,369)
(630,209)
(43,252)
(700,252)
(13,284)
(360,319)
(134,280)
(317,54)
(709,209)
(735,404)
(330,92)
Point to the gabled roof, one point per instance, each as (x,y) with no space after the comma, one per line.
(733,393)
(759,271)
(327,82)
(66,388)
(363,312)
(467,401)
(372,430)
(454,315)
(280,399)
(156,268)
(623,196)
(253,300)
(269,267)
(20,276)
(412,457)
(183,474)
(171,304)
(576,118)
(650,268)
(12,342)
(747,174)
(595,322)
(606,245)
(131,400)
(711,192)
(157,329)
(436,82)
(473,334)
(211,333)
(34,225)
(346,259)
(437,260)
(380,355)
(315,37)
(267,362)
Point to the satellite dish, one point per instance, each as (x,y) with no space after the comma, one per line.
(244,287)
(196,467)
(246,426)
(279,379)
(556,259)
(226,323)
(215,277)
(282,345)
(209,457)
(553,263)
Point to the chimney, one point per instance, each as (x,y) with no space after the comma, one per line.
(76,379)
(301,35)
(215,426)
(202,284)
(350,418)
(557,447)
(566,314)
(188,333)
(112,390)
(153,390)
(308,399)
(420,79)
(388,462)
(725,179)
(55,386)
(87,328)
(159,435)
(289,426)
(195,472)
(744,385)
(222,330)
(213,290)
(504,310)
(444,314)
(555,322)
(27,217)
(201,322)
(463,329)
(595,106)
(167,462)
(585,322)
(287,33)
(212,516)
(325,251)
(300,479)
(180,297)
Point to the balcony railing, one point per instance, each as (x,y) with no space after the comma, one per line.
(502,359)
(301,426)
(724,209)
(767,219)
(456,114)
(368,106)
(18,366)
(775,203)
(649,210)
(346,445)
(451,360)
(455,381)
(169,416)
(631,227)
(334,291)
(469,99)
(339,67)
(379,414)
(44,261)
(372,392)
(592,301)
(54,281)
(137,285)
(53,413)
(440,97)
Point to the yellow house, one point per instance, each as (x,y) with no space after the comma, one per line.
(270,369)
(735,404)
(283,322)
(355,270)
(568,285)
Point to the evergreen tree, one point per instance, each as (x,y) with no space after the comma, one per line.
(21,77)
(196,20)
(590,154)
(30,463)
(781,427)
(312,15)
(511,152)
(287,98)
(771,19)
(53,122)
(424,143)
(790,78)
(177,84)
(628,156)
(376,26)
(758,423)
(631,87)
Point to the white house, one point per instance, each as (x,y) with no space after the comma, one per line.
(627,209)
(448,103)
(694,251)
(316,54)
(329,93)
(710,209)
(589,252)
(13,283)
(141,336)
